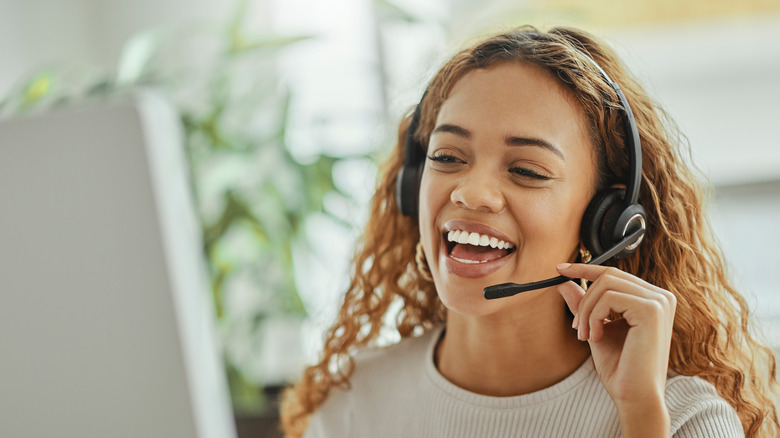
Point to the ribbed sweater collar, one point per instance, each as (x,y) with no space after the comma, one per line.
(565,386)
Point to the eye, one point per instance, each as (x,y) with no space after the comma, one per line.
(445,158)
(525,172)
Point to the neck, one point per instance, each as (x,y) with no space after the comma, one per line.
(517,352)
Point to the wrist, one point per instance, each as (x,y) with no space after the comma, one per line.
(644,418)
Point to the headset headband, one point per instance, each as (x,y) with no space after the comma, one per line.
(632,142)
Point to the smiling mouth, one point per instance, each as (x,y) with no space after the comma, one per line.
(476,248)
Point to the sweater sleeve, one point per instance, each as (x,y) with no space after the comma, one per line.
(697,411)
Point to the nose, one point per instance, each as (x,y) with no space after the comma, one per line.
(479,190)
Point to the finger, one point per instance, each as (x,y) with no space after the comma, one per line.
(637,311)
(592,272)
(611,302)
(604,284)
(581,270)
(611,281)
(572,294)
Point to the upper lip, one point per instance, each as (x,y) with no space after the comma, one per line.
(475,227)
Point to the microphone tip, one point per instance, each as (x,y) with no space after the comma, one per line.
(500,291)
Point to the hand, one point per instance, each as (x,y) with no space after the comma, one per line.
(630,354)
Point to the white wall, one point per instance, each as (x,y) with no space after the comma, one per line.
(40,32)
(719,81)
(92,32)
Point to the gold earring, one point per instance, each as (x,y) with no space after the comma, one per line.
(422,264)
(585,257)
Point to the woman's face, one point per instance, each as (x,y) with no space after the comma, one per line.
(508,176)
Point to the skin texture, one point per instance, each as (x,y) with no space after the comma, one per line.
(488,172)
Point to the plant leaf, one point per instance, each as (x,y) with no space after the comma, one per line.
(136,57)
(240,45)
(391,11)
(37,88)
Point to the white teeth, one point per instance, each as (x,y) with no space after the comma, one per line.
(476,239)
(470,262)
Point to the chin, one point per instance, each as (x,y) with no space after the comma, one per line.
(464,296)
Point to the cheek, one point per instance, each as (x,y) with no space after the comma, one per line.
(553,217)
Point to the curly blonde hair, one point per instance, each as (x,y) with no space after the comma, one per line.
(712,336)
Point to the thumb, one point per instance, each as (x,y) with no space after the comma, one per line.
(572,294)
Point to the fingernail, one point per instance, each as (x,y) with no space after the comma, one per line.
(563,266)
(579,333)
(574,323)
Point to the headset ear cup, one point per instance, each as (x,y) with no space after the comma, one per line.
(619,223)
(400,198)
(593,221)
(407,189)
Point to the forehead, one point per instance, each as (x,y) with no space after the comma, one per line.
(517,99)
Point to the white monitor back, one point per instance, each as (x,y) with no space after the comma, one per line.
(106,318)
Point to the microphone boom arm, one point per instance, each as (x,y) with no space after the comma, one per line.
(510,289)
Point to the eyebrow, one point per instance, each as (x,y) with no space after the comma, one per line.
(510,140)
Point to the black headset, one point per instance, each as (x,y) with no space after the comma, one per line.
(612,215)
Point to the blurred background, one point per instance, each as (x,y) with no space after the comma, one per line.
(288,105)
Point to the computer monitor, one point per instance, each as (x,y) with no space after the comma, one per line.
(107,326)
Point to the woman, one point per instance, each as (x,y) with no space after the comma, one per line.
(519,134)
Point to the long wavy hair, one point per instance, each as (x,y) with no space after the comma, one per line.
(712,335)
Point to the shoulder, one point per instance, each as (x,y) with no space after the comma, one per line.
(697,410)
(394,372)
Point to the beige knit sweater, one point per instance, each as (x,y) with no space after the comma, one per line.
(398,392)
